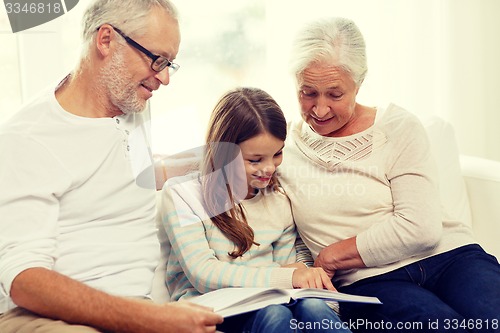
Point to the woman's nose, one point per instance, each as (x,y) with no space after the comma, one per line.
(321,109)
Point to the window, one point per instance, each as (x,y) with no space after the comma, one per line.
(222,46)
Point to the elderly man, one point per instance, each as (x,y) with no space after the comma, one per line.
(78,245)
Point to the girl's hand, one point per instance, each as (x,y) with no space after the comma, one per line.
(296,265)
(314,277)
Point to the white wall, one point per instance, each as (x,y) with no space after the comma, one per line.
(473,74)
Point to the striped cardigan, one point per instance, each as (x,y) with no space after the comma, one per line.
(197,251)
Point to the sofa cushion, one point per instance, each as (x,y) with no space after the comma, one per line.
(454,199)
(482,179)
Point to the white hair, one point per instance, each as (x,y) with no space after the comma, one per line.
(127,15)
(336,41)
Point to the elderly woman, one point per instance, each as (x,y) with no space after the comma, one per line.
(363,188)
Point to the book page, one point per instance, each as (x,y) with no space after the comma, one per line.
(256,304)
(231,297)
(232,301)
(331,295)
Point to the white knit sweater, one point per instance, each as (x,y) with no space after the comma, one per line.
(379,185)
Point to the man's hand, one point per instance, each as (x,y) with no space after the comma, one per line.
(187,317)
(77,303)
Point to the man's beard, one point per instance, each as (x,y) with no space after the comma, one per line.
(122,90)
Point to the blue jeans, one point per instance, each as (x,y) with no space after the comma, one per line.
(306,315)
(456,291)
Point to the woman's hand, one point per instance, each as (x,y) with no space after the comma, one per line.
(314,277)
(326,261)
(340,255)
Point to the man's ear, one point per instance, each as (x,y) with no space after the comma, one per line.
(103,39)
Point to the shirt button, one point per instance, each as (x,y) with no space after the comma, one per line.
(127,132)
(117,120)
(128,148)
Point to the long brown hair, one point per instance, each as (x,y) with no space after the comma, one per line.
(239,115)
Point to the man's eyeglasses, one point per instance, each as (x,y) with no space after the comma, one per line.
(158,63)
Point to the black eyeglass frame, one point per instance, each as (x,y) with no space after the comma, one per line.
(172,67)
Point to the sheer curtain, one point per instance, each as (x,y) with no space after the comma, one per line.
(429,56)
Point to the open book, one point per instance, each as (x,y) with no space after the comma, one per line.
(232,301)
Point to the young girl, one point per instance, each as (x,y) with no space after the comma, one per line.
(230,225)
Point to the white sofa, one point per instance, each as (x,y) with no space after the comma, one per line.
(470,190)
(482,180)
(470,186)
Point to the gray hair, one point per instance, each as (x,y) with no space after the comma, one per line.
(336,41)
(128,15)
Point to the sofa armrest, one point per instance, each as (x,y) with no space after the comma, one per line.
(482,180)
